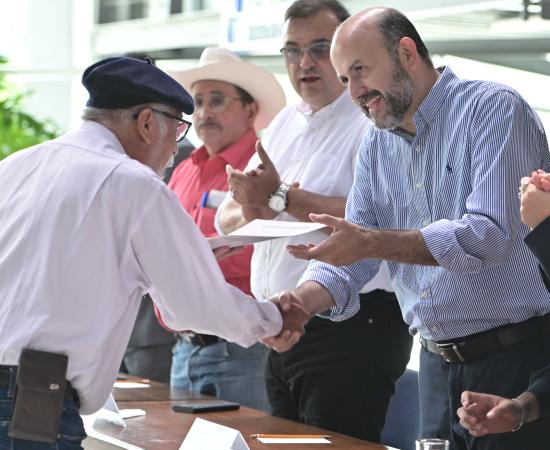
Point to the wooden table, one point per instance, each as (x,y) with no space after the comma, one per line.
(164,429)
(157,392)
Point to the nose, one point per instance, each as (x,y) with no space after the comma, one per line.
(203,112)
(307,60)
(355,89)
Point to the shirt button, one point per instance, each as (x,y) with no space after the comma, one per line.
(423,295)
(266,293)
(425,222)
(419,185)
(417,148)
(435,328)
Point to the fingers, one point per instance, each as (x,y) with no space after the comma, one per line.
(468,397)
(545,184)
(262,154)
(326,219)
(301,251)
(225,252)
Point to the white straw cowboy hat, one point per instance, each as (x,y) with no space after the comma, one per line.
(220,64)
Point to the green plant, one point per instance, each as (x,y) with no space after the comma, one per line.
(18,129)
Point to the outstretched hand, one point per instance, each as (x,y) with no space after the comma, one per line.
(294,319)
(345,245)
(483,414)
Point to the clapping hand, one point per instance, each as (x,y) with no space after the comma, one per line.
(535,198)
(253,188)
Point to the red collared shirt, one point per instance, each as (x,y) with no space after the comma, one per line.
(201,173)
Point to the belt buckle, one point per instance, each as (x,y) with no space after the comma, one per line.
(193,338)
(446,350)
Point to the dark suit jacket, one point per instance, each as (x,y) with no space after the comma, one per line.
(538,242)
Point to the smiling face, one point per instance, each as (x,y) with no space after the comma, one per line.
(377,81)
(315,81)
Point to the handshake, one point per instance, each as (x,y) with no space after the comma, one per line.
(295,317)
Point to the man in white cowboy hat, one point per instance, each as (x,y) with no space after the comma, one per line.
(315,143)
(233,99)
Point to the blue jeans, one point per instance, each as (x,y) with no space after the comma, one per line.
(71,428)
(223,370)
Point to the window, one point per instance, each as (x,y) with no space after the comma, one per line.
(120,10)
(180,6)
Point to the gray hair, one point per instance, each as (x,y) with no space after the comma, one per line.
(112,118)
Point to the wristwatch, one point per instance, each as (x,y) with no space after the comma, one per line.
(278,201)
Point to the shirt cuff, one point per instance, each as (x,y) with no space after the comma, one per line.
(347,302)
(441,241)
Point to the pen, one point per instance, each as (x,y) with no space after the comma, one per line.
(289,436)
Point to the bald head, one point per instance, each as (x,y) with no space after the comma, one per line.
(379,55)
(388,26)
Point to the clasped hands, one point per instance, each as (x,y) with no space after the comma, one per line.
(534,193)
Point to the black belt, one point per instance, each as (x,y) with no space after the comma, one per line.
(200,340)
(474,346)
(70,392)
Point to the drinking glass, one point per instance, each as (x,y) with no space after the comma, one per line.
(432,444)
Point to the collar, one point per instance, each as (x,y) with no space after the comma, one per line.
(231,155)
(102,133)
(328,111)
(430,106)
(97,138)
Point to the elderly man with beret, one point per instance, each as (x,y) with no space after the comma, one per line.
(88,227)
(233,99)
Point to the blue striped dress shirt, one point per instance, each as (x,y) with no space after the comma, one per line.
(456,181)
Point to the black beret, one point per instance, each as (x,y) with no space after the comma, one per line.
(121,82)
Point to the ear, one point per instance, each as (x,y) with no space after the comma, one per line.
(408,54)
(144,124)
(251,110)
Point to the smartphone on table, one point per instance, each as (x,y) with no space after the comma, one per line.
(205,406)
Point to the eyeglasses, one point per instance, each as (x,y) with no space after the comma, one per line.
(318,51)
(216,102)
(182,127)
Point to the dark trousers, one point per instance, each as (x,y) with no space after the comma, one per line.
(505,373)
(341,375)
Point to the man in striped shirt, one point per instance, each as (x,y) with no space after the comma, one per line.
(435,194)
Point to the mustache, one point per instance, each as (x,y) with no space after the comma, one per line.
(366,98)
(208,122)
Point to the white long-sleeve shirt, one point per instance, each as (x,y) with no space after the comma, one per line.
(84,232)
(319,151)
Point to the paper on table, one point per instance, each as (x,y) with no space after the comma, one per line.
(130,385)
(293,440)
(262,230)
(206,435)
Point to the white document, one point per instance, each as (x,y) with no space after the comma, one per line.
(130,385)
(205,435)
(293,440)
(263,230)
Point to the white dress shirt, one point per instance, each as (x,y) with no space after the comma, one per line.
(318,150)
(85,232)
